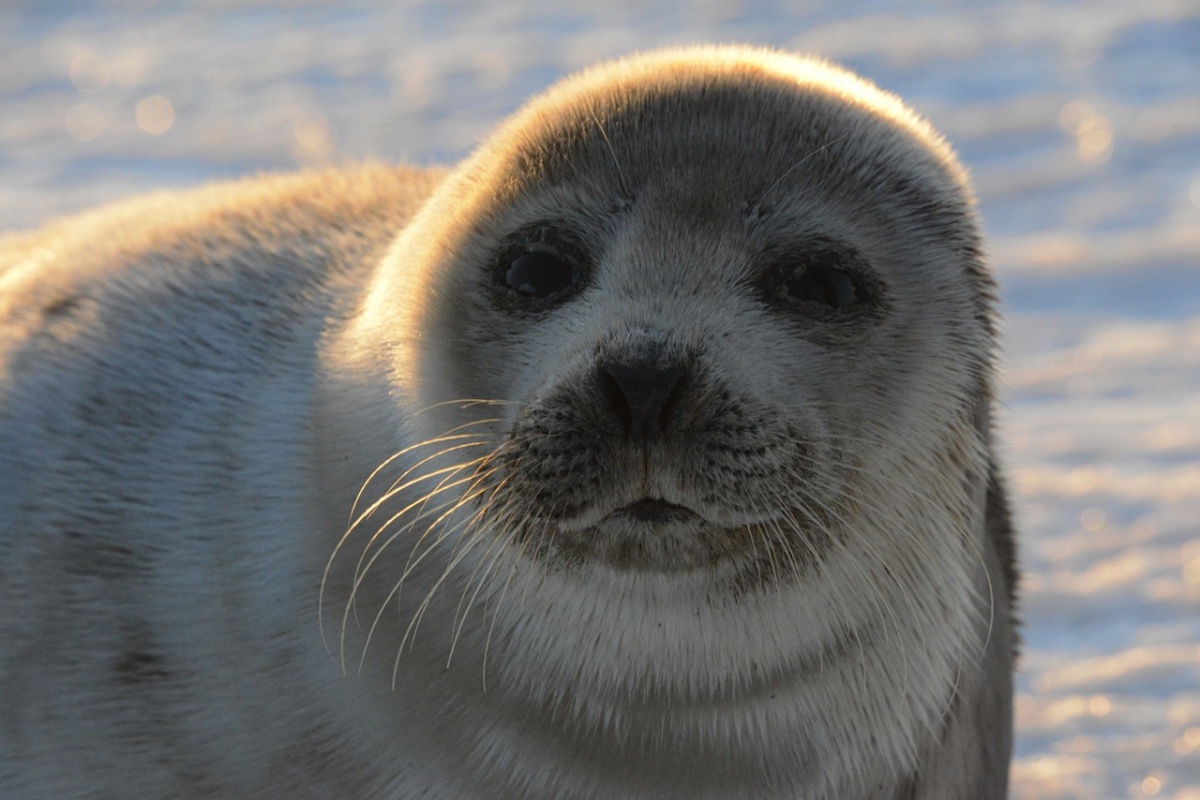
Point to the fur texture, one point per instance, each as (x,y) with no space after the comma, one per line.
(645,455)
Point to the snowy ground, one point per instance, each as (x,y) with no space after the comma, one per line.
(1080,122)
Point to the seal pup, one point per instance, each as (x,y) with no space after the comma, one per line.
(646,454)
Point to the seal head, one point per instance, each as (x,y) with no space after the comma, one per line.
(699,415)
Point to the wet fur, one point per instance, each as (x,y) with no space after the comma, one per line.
(228,414)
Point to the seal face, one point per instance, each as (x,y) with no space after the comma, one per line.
(664,423)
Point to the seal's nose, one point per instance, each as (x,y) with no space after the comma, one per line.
(642,394)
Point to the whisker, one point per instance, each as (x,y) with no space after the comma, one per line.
(450,435)
(353,525)
(444,485)
(500,545)
(499,601)
(414,560)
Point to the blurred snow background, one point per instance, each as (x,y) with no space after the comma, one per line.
(1079,120)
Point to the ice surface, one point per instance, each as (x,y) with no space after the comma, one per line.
(1079,120)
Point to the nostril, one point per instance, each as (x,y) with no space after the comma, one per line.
(642,395)
(672,398)
(617,402)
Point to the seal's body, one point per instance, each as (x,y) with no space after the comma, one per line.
(644,455)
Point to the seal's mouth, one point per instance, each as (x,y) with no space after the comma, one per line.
(655,509)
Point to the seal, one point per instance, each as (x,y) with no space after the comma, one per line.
(645,454)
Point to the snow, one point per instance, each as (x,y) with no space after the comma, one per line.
(1080,122)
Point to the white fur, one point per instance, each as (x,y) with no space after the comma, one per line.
(194,390)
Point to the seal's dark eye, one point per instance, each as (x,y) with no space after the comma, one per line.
(538,274)
(821,283)
(539,267)
(821,277)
